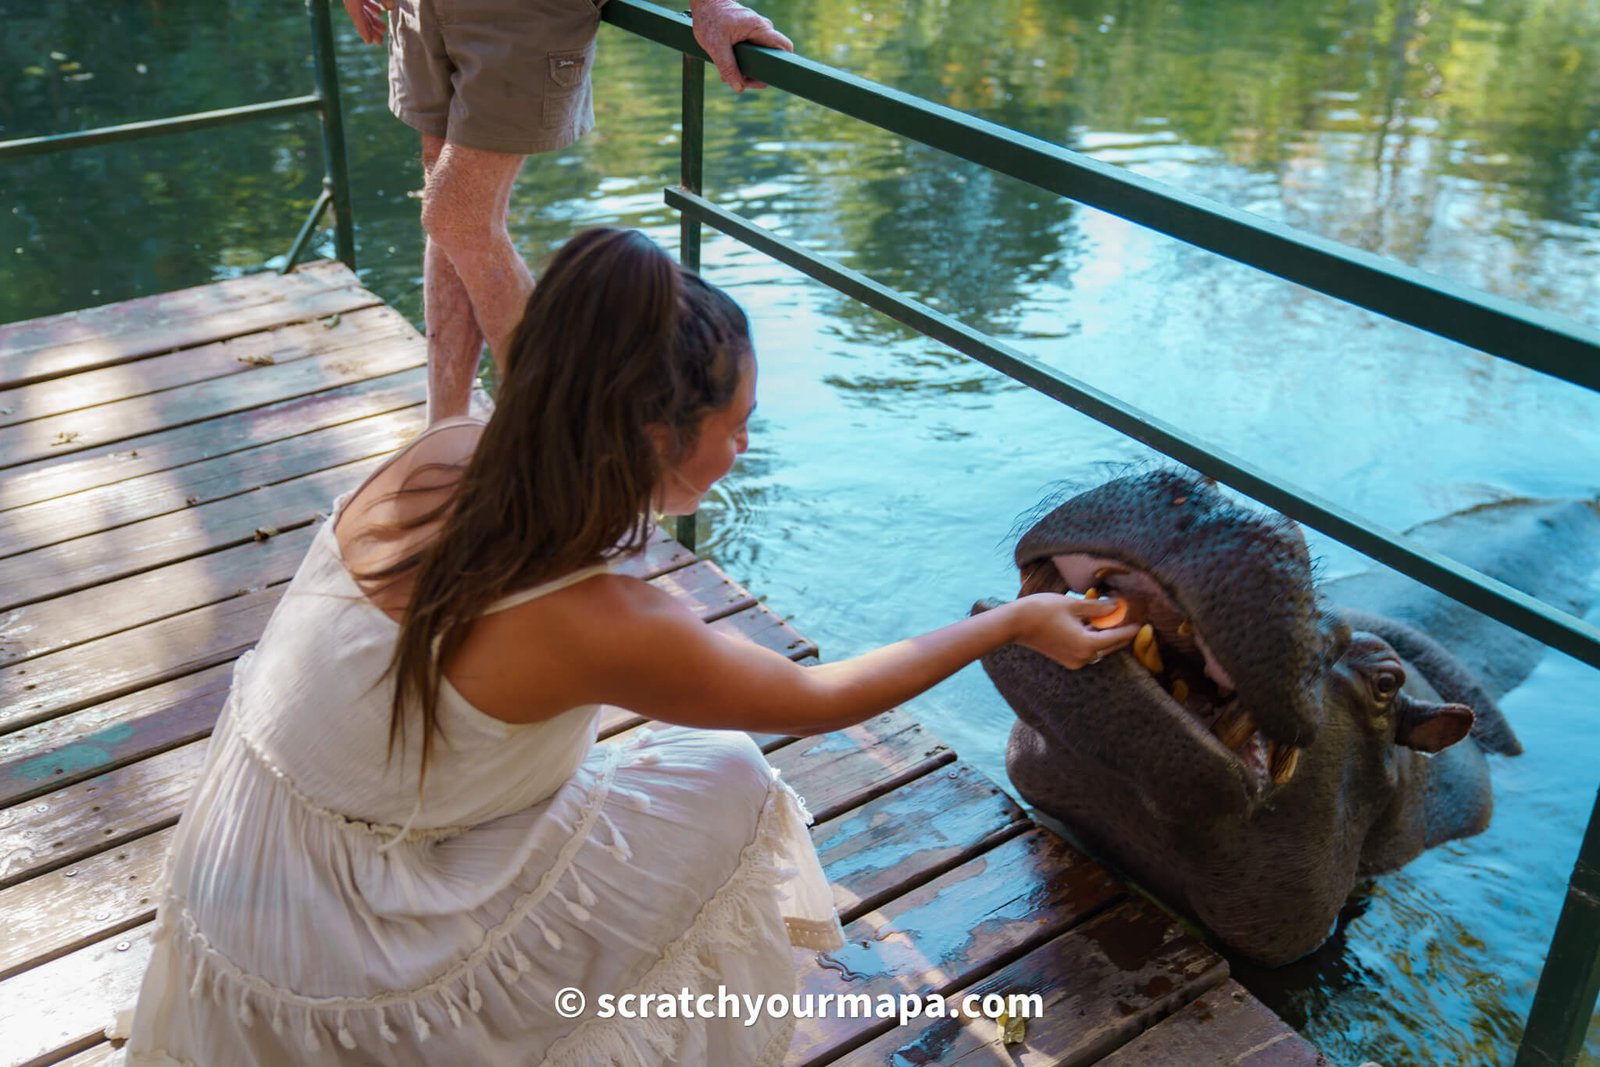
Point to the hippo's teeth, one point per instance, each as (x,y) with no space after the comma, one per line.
(1284,760)
(1180,691)
(1145,650)
(1233,727)
(1186,628)
(1103,571)
(1091,593)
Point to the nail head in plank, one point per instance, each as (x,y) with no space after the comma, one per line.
(64,1006)
(72,824)
(84,902)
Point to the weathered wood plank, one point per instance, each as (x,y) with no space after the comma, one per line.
(64,1006)
(73,906)
(950,932)
(65,750)
(112,667)
(75,341)
(1098,985)
(218,359)
(1225,1027)
(100,611)
(101,1055)
(846,768)
(107,811)
(69,520)
(100,560)
(105,424)
(881,849)
(170,448)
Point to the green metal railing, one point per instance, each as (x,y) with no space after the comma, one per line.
(325,101)
(1551,344)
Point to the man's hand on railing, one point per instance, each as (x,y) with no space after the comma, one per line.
(370,18)
(721,24)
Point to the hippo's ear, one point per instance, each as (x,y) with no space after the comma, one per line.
(1430,727)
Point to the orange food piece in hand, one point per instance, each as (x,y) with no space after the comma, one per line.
(1113,618)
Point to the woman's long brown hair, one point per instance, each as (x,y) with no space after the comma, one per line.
(615,338)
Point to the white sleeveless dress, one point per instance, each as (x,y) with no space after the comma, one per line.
(316,913)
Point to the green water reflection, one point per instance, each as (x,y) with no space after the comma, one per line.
(886,472)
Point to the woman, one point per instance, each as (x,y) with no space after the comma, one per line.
(406,843)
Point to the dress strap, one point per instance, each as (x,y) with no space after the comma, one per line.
(525,595)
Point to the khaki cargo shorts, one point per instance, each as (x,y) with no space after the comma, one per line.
(498,75)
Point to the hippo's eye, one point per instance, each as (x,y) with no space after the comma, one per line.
(1386,684)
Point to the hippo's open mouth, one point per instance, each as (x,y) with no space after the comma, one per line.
(1171,662)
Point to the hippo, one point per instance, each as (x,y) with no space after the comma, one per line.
(1262,747)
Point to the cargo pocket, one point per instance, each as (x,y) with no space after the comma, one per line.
(568,83)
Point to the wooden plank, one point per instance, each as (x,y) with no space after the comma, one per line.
(112,667)
(100,560)
(1099,985)
(70,907)
(167,449)
(887,846)
(39,349)
(70,520)
(105,424)
(847,768)
(948,933)
(218,359)
(107,811)
(64,1006)
(1226,1027)
(101,1055)
(63,751)
(101,611)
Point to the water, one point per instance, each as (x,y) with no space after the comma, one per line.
(886,473)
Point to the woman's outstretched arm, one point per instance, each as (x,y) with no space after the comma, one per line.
(651,655)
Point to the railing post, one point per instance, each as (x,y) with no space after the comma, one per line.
(336,176)
(690,175)
(1558,1022)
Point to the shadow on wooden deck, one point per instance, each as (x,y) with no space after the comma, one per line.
(164,463)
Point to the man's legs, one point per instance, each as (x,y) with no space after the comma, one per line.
(475,285)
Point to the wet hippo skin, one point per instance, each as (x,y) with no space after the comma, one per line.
(1268,744)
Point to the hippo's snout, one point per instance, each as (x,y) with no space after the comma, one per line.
(1230,641)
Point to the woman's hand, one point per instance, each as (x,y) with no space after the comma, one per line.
(1057,625)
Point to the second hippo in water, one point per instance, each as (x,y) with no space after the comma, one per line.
(1261,751)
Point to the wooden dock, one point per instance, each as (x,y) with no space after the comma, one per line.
(164,463)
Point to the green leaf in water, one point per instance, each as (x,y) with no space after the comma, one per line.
(36,72)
